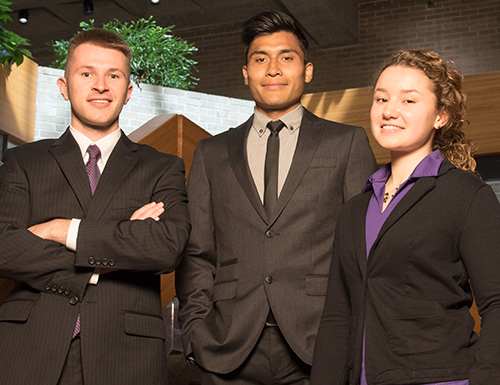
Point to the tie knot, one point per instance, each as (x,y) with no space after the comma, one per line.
(94,152)
(275,126)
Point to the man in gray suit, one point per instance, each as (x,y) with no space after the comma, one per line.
(263,206)
(88,222)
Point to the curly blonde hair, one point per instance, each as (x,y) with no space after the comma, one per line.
(448,88)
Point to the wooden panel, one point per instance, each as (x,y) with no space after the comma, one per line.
(352,106)
(18,100)
(483,112)
(177,135)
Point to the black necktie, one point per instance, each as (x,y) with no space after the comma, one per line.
(271,168)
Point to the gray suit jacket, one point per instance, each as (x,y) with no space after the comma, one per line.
(239,263)
(122,332)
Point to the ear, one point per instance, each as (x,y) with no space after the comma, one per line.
(441,119)
(63,87)
(244,70)
(129,93)
(308,72)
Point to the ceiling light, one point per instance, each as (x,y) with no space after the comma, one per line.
(88,6)
(23,16)
(155,1)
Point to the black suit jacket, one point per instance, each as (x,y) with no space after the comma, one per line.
(122,332)
(239,263)
(413,293)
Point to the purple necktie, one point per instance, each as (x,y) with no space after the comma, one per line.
(94,174)
(92,169)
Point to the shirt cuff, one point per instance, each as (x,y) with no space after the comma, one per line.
(72,237)
(71,241)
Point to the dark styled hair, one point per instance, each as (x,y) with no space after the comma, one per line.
(102,38)
(448,88)
(270,22)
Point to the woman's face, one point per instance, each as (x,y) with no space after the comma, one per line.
(404,113)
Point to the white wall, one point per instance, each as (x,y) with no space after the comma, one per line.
(213,113)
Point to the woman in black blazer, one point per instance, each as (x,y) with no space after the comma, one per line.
(410,248)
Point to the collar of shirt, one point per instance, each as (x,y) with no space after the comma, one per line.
(429,166)
(291,120)
(106,144)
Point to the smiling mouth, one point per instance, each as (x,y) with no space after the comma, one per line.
(390,127)
(103,101)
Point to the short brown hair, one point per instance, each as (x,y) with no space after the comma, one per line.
(102,38)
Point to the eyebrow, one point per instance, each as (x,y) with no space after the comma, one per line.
(403,91)
(90,67)
(285,50)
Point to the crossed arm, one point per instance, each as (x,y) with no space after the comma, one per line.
(57,229)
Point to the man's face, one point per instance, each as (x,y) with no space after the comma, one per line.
(276,74)
(97,85)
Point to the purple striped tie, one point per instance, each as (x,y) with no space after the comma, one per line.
(94,174)
(92,169)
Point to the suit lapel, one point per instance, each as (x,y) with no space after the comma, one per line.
(358,231)
(236,146)
(421,188)
(120,163)
(310,134)
(69,158)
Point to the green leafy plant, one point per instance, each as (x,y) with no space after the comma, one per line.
(158,57)
(11,44)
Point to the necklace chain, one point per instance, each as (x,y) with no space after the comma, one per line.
(388,196)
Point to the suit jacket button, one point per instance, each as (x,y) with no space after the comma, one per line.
(269,234)
(111,262)
(60,290)
(105,262)
(73,300)
(97,262)
(47,287)
(91,261)
(66,292)
(54,289)
(268,279)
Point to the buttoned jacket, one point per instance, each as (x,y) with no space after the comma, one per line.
(239,263)
(122,331)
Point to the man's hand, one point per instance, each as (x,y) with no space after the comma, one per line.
(151,210)
(55,230)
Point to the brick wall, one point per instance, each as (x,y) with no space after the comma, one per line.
(465,31)
(211,112)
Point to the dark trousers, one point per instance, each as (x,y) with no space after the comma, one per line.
(271,362)
(72,370)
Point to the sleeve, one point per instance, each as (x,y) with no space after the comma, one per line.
(194,278)
(26,258)
(479,248)
(142,245)
(360,164)
(332,341)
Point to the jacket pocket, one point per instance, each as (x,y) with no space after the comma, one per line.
(316,284)
(414,329)
(144,325)
(16,311)
(225,291)
(227,271)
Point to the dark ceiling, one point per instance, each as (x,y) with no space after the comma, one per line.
(330,23)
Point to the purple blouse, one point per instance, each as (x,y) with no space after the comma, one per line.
(375,217)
